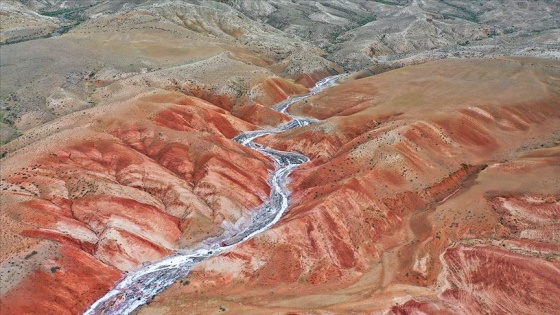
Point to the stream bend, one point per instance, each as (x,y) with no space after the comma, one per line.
(141,285)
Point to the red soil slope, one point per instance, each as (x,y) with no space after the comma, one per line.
(121,185)
(431,189)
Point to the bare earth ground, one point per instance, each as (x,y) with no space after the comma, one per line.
(432,188)
(439,194)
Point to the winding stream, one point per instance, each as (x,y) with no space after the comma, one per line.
(139,286)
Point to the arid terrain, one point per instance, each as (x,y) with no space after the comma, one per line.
(403,210)
(433,185)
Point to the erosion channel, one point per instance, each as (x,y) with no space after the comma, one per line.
(141,285)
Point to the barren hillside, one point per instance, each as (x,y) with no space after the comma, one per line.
(432,185)
(439,194)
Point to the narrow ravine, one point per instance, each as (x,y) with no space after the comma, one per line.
(141,285)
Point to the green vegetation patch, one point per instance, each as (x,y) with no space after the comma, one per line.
(68,12)
(470,15)
(387,2)
(366,20)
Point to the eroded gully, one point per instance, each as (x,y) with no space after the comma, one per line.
(141,285)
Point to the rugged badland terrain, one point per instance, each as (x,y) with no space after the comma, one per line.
(433,185)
